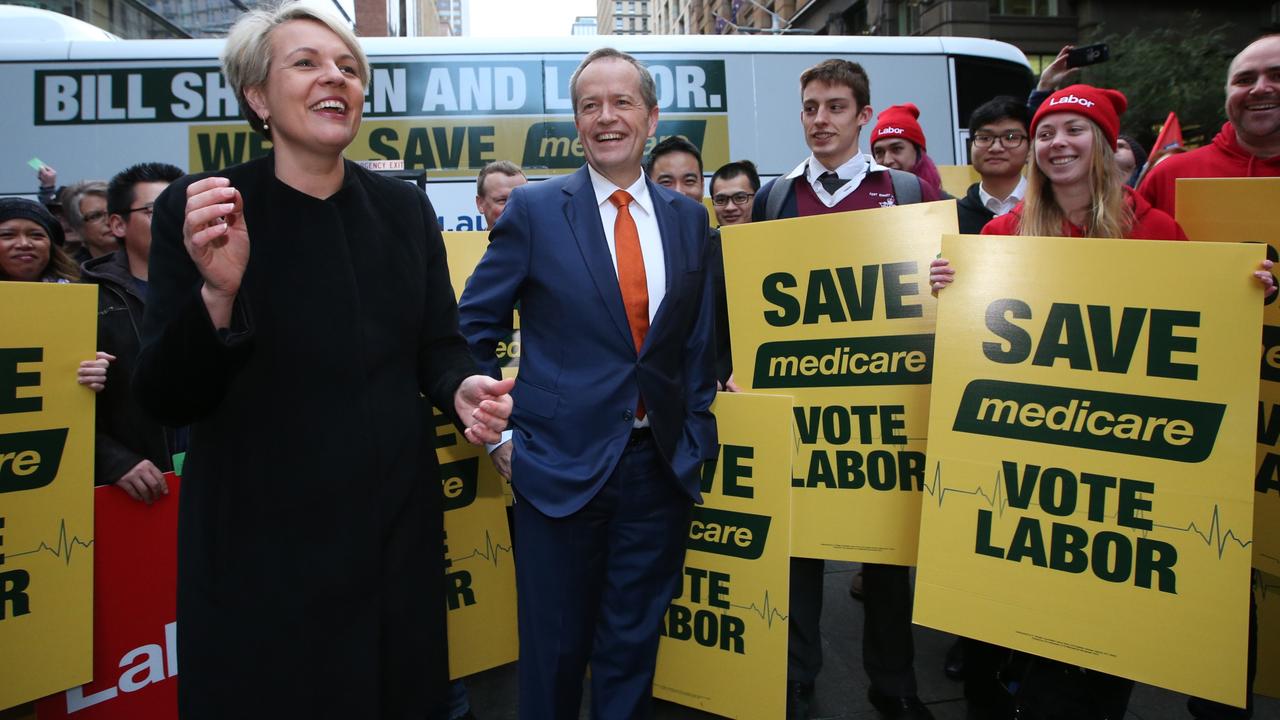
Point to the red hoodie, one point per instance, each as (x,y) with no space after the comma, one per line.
(1222,158)
(1148,223)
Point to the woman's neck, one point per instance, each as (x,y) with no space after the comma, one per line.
(318,175)
(1074,200)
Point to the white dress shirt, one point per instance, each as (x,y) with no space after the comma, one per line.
(1001,207)
(854,170)
(655,269)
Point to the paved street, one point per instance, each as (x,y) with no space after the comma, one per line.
(842,687)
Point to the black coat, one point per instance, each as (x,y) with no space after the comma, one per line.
(124,435)
(310,555)
(971,213)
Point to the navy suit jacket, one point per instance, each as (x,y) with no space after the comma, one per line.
(580,375)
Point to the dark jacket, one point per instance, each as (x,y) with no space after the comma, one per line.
(310,564)
(125,434)
(973,215)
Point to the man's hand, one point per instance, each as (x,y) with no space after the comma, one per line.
(93,373)
(144,483)
(483,405)
(501,457)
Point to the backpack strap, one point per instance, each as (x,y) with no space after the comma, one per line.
(906,187)
(777,197)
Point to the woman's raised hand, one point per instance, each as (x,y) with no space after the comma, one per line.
(216,236)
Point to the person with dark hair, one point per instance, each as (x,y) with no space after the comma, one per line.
(1000,145)
(1130,158)
(299,317)
(131,449)
(835,100)
(612,420)
(493,187)
(676,164)
(31,242)
(733,190)
(31,251)
(898,142)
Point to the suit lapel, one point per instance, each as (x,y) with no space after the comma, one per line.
(672,247)
(583,215)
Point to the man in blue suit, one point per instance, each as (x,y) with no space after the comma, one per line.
(611,422)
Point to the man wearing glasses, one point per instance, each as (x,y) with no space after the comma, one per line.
(733,188)
(131,450)
(998,131)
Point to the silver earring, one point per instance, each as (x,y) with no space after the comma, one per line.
(265,126)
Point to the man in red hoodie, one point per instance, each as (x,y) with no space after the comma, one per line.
(1248,144)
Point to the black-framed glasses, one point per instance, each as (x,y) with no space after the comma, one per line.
(149,209)
(95,216)
(740,198)
(1010,139)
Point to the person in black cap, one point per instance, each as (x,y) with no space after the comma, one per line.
(31,242)
(31,251)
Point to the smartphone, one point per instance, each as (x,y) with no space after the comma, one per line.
(1088,55)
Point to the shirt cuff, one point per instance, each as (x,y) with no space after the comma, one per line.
(506,438)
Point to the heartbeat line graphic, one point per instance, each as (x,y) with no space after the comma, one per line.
(995,498)
(488,553)
(765,610)
(1213,536)
(62,549)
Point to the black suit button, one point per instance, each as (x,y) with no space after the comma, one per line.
(628,415)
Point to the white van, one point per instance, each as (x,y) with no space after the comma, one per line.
(447,106)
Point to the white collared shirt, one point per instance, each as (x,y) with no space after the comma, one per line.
(854,170)
(1001,207)
(655,269)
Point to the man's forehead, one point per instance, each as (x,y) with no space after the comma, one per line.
(819,90)
(1003,124)
(609,67)
(1262,55)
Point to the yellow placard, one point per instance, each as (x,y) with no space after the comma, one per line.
(724,644)
(1267,592)
(480,575)
(481,571)
(46,489)
(1089,495)
(1242,210)
(956,179)
(835,311)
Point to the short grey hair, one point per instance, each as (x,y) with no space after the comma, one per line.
(648,90)
(72,196)
(246,58)
(506,167)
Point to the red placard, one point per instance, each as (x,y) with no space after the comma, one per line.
(135,663)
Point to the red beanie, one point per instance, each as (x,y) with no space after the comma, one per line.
(899,121)
(1101,105)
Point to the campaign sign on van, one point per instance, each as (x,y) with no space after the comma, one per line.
(724,638)
(835,311)
(46,486)
(1089,493)
(1226,210)
(135,630)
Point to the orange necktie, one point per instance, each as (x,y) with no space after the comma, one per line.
(631,276)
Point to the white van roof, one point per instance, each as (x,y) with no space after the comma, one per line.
(833,45)
(26,24)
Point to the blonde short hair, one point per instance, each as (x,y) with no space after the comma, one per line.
(246,58)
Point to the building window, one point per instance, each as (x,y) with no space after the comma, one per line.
(617,23)
(1039,8)
(617,6)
